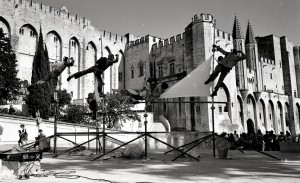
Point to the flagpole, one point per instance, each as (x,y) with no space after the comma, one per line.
(212,100)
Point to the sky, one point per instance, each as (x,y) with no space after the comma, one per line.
(167,18)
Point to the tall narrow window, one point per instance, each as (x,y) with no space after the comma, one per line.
(160,71)
(31,33)
(120,77)
(141,68)
(21,31)
(132,72)
(172,68)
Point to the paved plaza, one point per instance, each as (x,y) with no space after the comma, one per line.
(248,167)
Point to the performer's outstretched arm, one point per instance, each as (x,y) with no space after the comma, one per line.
(222,51)
(243,55)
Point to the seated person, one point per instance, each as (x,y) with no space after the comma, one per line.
(41,142)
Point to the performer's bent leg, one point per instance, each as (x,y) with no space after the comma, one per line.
(221,79)
(70,77)
(224,73)
(215,74)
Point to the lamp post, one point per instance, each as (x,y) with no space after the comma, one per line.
(55,121)
(212,100)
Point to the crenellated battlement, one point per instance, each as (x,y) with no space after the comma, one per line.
(53,12)
(62,14)
(172,40)
(203,18)
(112,37)
(141,41)
(266,61)
(223,35)
(155,41)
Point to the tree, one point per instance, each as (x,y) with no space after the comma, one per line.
(64,98)
(116,108)
(77,114)
(40,95)
(9,83)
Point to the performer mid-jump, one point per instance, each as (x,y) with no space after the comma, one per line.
(58,68)
(224,66)
(101,65)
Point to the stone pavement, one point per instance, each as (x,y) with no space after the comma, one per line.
(248,167)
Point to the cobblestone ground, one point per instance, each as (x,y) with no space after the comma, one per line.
(238,167)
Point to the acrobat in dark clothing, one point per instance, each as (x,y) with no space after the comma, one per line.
(58,68)
(224,66)
(101,65)
(93,106)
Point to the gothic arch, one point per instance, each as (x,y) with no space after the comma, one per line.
(251,108)
(88,84)
(54,46)
(31,27)
(6,29)
(297,117)
(26,45)
(250,126)
(92,45)
(122,70)
(110,74)
(228,106)
(29,35)
(262,122)
(74,51)
(280,121)
(141,67)
(91,55)
(107,51)
(240,111)
(271,116)
(287,116)
(226,91)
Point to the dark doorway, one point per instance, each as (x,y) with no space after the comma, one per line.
(250,126)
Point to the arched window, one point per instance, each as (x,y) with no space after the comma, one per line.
(141,68)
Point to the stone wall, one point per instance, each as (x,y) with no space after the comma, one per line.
(64,35)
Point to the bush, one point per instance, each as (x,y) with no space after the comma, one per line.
(76,114)
(4,110)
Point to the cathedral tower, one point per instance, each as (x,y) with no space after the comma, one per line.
(238,43)
(252,62)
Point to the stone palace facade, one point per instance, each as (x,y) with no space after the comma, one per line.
(261,92)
